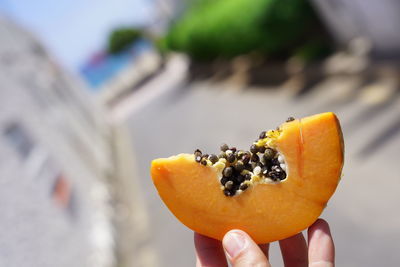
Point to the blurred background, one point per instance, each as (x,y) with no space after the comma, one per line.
(92,91)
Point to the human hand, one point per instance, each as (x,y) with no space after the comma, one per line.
(241,250)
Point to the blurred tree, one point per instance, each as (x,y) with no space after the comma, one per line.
(226,28)
(121,38)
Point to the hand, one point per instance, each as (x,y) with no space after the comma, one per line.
(241,250)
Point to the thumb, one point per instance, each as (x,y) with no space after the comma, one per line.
(242,251)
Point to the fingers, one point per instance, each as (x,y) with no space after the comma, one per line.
(294,251)
(242,251)
(265,249)
(321,251)
(209,252)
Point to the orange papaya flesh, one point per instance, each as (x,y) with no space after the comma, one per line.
(313,149)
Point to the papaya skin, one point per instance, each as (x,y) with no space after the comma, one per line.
(314,153)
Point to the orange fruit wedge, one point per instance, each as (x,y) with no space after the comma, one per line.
(268,210)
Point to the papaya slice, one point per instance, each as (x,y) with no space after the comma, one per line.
(269,208)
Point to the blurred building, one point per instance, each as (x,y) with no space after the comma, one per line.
(102,67)
(165,11)
(59,171)
(375,21)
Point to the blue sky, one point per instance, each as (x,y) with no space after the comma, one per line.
(73,29)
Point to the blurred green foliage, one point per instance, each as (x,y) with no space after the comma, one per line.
(226,28)
(121,38)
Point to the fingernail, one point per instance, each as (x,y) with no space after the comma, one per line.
(234,242)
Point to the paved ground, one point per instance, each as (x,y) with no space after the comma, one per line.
(362,213)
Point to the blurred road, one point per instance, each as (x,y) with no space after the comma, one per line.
(202,115)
